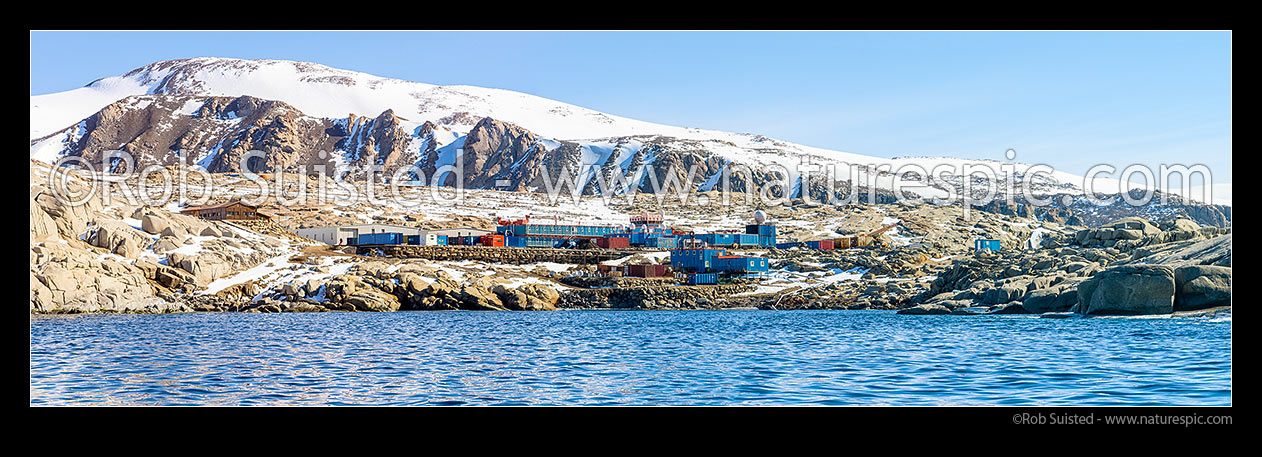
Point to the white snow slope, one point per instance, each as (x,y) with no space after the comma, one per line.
(318,90)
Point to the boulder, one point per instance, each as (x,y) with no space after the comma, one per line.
(1182,225)
(1182,235)
(1009,290)
(478,296)
(1003,294)
(119,238)
(371,299)
(970,311)
(925,309)
(174,231)
(1134,223)
(240,292)
(440,294)
(513,299)
(50,215)
(1128,290)
(529,297)
(204,267)
(165,244)
(1011,308)
(1075,266)
(292,290)
(1201,286)
(368,268)
(541,296)
(1212,251)
(169,277)
(311,287)
(153,223)
(65,280)
(1051,300)
(1129,234)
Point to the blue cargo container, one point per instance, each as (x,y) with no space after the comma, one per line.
(746,239)
(791,244)
(703,278)
(661,242)
(696,259)
(442,240)
(992,245)
(381,238)
(718,239)
(767,241)
(761,230)
(744,264)
(414,239)
(536,241)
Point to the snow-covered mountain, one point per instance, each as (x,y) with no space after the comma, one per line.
(211,111)
(324,92)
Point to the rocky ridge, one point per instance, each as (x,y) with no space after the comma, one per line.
(306,117)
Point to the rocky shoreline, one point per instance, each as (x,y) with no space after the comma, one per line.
(116,258)
(1144,278)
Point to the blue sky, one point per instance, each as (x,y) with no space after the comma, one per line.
(1068,99)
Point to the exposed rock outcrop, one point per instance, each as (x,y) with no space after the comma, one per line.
(119,238)
(69,280)
(1128,290)
(1201,286)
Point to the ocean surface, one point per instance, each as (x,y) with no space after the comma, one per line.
(627,358)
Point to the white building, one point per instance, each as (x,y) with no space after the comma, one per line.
(347,234)
(458,231)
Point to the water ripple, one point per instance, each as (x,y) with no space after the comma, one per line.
(627,358)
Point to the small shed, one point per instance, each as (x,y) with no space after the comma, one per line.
(992,245)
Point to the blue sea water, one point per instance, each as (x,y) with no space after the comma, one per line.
(627,358)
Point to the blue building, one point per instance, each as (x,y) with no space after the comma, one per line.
(740,264)
(761,230)
(717,239)
(661,242)
(992,245)
(695,259)
(766,234)
(522,233)
(380,238)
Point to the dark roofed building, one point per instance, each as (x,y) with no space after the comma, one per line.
(232,211)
